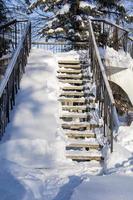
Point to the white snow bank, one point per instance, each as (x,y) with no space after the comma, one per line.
(115,58)
(33,153)
(105,187)
(125,137)
(121,160)
(33,137)
(117,161)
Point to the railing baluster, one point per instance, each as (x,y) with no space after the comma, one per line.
(20,36)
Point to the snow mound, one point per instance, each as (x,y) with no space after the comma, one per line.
(33,153)
(115,58)
(117,161)
(125,137)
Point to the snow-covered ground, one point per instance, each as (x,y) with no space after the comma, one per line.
(105,187)
(32,152)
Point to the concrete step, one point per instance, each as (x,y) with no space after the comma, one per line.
(78,66)
(69,71)
(90,143)
(72,94)
(74,115)
(84,155)
(79,134)
(74,108)
(69,76)
(73,87)
(72,100)
(72,81)
(76,100)
(73,62)
(79,125)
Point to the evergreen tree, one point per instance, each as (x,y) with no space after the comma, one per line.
(66,19)
(3,19)
(3,11)
(112,9)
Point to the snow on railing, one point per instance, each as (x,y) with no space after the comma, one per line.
(20,36)
(104,96)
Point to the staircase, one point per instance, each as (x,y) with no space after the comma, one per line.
(76,119)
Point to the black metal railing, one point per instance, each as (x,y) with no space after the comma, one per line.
(20,36)
(112,35)
(58,47)
(104,96)
(10,36)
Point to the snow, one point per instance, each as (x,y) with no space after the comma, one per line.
(78,18)
(84,4)
(125,137)
(50,31)
(104,187)
(115,58)
(59,30)
(114,162)
(64,9)
(32,151)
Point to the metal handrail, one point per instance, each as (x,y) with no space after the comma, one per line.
(104,95)
(2,26)
(7,24)
(110,23)
(57,43)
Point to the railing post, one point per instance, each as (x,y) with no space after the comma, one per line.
(111,127)
(16,35)
(125,39)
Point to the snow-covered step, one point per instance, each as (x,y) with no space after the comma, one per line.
(70,66)
(73,62)
(90,143)
(74,115)
(79,134)
(74,108)
(77,100)
(72,81)
(72,93)
(73,87)
(69,70)
(79,125)
(84,155)
(70,76)
(72,100)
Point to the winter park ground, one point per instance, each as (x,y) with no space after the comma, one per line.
(32,152)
